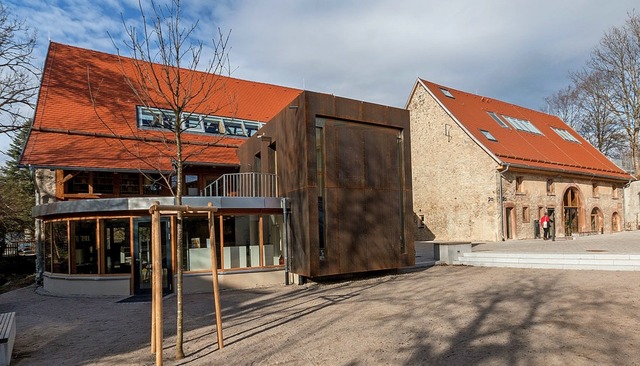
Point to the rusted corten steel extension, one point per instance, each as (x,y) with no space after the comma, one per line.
(345,167)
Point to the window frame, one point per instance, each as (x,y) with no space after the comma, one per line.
(146,118)
(565,135)
(551,189)
(498,120)
(488,135)
(519,184)
(523,125)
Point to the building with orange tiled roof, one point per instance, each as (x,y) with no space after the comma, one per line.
(487,170)
(295,199)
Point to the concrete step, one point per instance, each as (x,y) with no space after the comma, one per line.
(581,261)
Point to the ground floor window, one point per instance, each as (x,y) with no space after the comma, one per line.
(115,234)
(252,241)
(57,247)
(197,246)
(85,253)
(108,245)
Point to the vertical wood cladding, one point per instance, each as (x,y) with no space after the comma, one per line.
(367,174)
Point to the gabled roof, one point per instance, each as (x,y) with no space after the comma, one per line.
(85,117)
(518,144)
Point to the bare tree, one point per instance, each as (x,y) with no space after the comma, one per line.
(617,60)
(564,104)
(603,102)
(598,124)
(169,74)
(18,76)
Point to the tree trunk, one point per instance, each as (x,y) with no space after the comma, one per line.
(179,246)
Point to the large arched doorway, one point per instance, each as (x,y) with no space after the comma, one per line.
(597,221)
(616,222)
(571,203)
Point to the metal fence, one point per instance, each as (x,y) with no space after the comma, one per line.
(18,249)
(243,185)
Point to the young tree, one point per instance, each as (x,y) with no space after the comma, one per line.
(165,60)
(17,74)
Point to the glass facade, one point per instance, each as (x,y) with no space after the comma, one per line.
(107,246)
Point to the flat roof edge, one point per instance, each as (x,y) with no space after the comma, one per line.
(107,205)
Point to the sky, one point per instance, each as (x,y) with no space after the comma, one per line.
(514,50)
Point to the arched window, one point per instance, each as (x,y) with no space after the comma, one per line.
(596,220)
(616,222)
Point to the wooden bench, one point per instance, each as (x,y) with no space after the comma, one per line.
(7,337)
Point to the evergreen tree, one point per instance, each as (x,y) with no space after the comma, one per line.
(16,191)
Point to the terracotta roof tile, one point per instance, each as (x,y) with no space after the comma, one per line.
(85,92)
(539,151)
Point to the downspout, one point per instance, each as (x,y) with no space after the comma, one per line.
(501,205)
(285,228)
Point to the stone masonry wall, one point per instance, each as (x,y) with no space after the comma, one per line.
(534,196)
(454,180)
(46,185)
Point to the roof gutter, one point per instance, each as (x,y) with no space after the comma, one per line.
(590,175)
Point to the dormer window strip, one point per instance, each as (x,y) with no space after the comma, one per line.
(198,123)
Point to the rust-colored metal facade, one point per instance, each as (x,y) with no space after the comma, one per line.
(345,166)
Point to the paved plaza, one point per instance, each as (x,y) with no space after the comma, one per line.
(441,315)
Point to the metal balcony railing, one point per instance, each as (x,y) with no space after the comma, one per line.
(243,185)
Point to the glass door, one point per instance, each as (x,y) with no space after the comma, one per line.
(143,256)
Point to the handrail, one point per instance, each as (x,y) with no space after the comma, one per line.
(243,185)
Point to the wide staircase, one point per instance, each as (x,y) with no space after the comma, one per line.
(594,260)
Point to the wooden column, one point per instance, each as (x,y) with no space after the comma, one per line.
(214,276)
(156,270)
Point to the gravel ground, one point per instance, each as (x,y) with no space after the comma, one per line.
(435,316)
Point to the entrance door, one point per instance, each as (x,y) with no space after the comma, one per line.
(510,222)
(571,215)
(142,252)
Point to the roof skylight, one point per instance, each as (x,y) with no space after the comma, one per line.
(498,119)
(565,134)
(522,125)
(447,93)
(488,135)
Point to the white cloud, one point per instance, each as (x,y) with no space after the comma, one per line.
(372,50)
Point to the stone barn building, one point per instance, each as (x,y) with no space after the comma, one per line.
(487,170)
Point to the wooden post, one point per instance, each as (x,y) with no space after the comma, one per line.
(152,210)
(214,275)
(156,270)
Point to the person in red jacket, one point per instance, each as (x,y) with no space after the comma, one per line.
(544,223)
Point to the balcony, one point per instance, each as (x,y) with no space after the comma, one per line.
(243,185)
